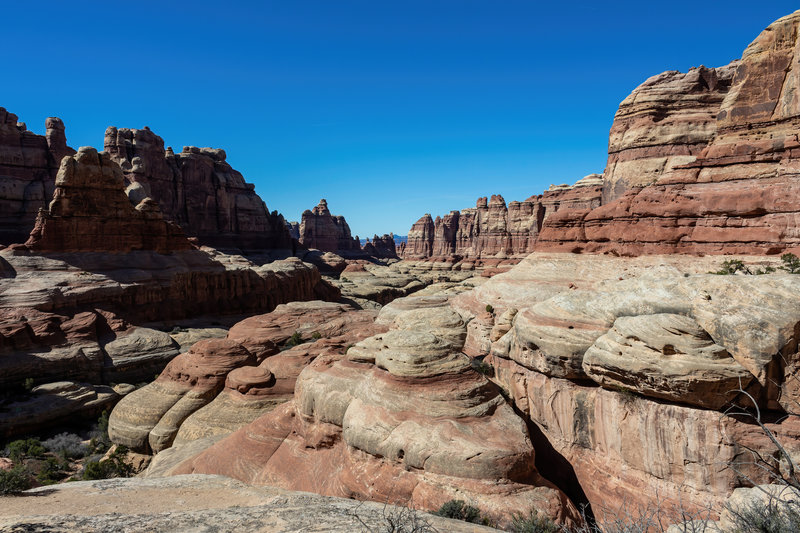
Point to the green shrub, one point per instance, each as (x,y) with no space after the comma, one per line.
(489,308)
(732,266)
(100,441)
(316,335)
(294,340)
(52,471)
(21,449)
(772,516)
(28,384)
(459,510)
(482,367)
(791,263)
(14,480)
(114,466)
(533,522)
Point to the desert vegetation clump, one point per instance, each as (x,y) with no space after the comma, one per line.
(67,445)
(113,466)
(14,480)
(294,340)
(460,510)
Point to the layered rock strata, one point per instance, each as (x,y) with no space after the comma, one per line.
(402,418)
(383,247)
(220,385)
(90,212)
(669,346)
(328,233)
(734,193)
(494,233)
(28,167)
(196,189)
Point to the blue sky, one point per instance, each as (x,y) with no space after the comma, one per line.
(389,109)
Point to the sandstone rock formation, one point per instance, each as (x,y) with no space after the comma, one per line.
(402,418)
(91,213)
(666,341)
(383,247)
(665,122)
(733,189)
(28,166)
(196,189)
(220,385)
(201,503)
(493,233)
(323,231)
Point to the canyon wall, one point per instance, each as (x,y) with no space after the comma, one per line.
(493,230)
(198,190)
(28,166)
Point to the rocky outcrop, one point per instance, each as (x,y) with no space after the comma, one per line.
(493,233)
(203,503)
(28,166)
(668,344)
(328,233)
(220,385)
(382,247)
(401,418)
(90,212)
(733,194)
(196,189)
(665,122)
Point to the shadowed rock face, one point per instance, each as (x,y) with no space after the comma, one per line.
(28,166)
(383,246)
(196,189)
(91,213)
(328,233)
(402,418)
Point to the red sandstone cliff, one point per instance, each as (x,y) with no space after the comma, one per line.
(197,189)
(323,231)
(492,229)
(740,193)
(28,166)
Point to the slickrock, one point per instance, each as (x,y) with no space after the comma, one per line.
(149,418)
(323,231)
(647,328)
(216,387)
(91,213)
(376,283)
(198,190)
(402,418)
(493,234)
(28,166)
(204,504)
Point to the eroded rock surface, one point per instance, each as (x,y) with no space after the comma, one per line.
(323,231)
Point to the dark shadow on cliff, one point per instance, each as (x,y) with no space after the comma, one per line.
(555,467)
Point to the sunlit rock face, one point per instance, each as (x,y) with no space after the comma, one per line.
(402,417)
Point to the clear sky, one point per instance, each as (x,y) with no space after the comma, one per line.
(389,109)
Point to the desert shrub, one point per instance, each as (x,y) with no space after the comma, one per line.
(402,519)
(773,516)
(25,448)
(100,441)
(489,308)
(482,367)
(316,335)
(68,445)
(294,340)
(14,480)
(114,466)
(533,522)
(732,266)
(52,471)
(459,510)
(791,263)
(28,384)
